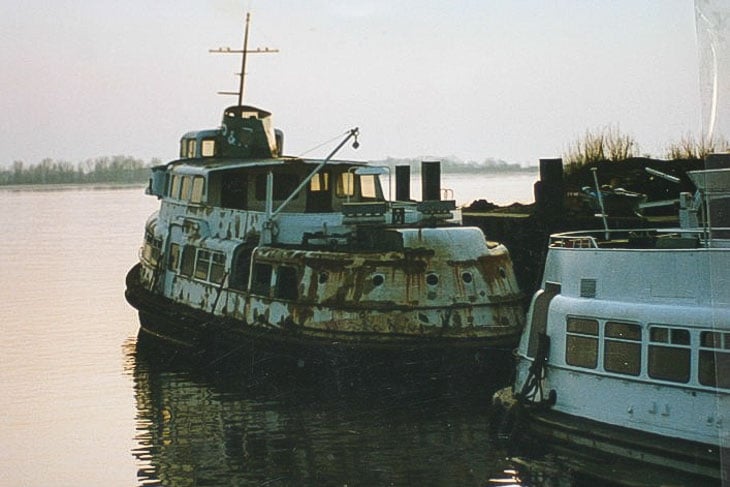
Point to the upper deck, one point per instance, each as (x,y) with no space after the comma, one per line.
(652,268)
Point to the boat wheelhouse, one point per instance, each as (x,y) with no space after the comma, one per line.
(626,349)
(307,258)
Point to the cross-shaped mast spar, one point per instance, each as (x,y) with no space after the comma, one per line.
(244,52)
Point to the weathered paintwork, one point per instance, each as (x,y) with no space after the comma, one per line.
(312,248)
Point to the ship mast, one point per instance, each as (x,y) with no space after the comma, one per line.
(243,52)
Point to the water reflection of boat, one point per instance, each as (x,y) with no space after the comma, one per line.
(306,258)
(627,347)
(219,426)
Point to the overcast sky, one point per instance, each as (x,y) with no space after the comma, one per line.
(473,79)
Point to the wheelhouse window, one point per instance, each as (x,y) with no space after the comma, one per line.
(186,188)
(190,150)
(175,188)
(284,185)
(622,348)
(714,360)
(368,186)
(669,353)
(207,147)
(345,185)
(581,342)
(198,189)
(320,182)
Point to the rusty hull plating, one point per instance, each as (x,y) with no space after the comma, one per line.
(252,248)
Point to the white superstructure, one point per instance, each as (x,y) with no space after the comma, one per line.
(629,337)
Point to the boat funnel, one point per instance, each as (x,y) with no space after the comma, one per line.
(402,183)
(430,180)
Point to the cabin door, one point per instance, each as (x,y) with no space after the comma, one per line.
(319,193)
(173,257)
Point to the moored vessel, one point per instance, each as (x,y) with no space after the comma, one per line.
(306,259)
(626,350)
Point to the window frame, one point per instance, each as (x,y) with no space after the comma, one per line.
(197,193)
(618,345)
(666,351)
(713,357)
(577,339)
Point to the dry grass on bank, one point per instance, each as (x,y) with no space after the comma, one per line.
(605,144)
(609,144)
(690,148)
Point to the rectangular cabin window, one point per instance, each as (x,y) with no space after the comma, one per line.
(320,182)
(187,264)
(202,265)
(714,360)
(210,266)
(198,188)
(207,148)
(345,185)
(669,354)
(217,267)
(287,284)
(581,342)
(368,188)
(175,190)
(151,249)
(173,260)
(190,152)
(622,348)
(284,185)
(186,188)
(261,279)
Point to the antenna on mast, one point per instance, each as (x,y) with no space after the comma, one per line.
(244,52)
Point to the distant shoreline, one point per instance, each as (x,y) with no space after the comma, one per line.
(68,186)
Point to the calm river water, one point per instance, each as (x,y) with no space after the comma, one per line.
(81,405)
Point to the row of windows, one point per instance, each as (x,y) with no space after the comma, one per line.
(203,264)
(209,265)
(151,248)
(669,351)
(192,188)
(188,148)
(285,184)
(187,188)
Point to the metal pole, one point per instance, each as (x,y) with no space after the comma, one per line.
(243,60)
(600,200)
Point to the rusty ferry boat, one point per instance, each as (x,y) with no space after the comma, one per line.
(306,259)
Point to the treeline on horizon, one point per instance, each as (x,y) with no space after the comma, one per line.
(101,170)
(129,170)
(456,165)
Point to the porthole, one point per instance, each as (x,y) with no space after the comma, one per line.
(323,276)
(432,279)
(467,277)
(378,280)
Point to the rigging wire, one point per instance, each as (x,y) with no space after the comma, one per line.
(326,142)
